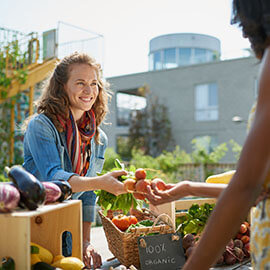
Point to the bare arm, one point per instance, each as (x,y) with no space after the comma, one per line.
(106,182)
(182,189)
(234,203)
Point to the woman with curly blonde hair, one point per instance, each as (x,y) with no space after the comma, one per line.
(55,101)
(64,141)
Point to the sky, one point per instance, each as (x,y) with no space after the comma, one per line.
(126,26)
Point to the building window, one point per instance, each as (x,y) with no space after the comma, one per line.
(206,102)
(157,61)
(126,104)
(200,55)
(184,56)
(170,58)
(177,57)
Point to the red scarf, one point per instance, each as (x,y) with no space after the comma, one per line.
(78,138)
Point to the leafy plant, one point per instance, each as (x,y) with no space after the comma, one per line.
(13,66)
(110,157)
(201,154)
(150,129)
(169,161)
(142,223)
(236,148)
(3,178)
(195,219)
(108,201)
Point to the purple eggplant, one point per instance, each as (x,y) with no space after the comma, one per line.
(9,197)
(65,189)
(53,192)
(32,192)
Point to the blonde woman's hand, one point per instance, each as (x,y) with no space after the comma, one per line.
(112,184)
(91,255)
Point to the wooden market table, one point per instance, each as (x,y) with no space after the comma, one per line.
(43,226)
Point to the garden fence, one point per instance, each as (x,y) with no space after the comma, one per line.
(199,172)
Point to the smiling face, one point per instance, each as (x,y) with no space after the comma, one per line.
(81,88)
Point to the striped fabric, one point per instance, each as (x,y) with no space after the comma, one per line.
(78,137)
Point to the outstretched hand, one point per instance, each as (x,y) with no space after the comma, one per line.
(159,192)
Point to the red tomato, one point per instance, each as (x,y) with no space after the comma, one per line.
(247,224)
(243,228)
(159,183)
(121,222)
(138,196)
(140,173)
(245,239)
(247,246)
(133,220)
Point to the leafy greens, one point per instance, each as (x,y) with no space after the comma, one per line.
(195,219)
(108,201)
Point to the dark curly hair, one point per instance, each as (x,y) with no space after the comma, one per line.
(54,100)
(253,16)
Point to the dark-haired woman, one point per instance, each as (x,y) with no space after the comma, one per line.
(252,174)
(63,141)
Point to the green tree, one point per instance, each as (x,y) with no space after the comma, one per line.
(201,154)
(236,148)
(12,67)
(150,129)
(169,161)
(110,157)
(137,132)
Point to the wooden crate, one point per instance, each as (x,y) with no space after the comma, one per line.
(172,209)
(43,226)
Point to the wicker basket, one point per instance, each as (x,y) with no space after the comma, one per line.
(124,245)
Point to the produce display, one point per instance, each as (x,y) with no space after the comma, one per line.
(124,212)
(192,225)
(27,192)
(32,192)
(126,222)
(39,253)
(135,183)
(195,219)
(222,178)
(69,263)
(9,197)
(42,258)
(65,188)
(7,264)
(123,222)
(53,192)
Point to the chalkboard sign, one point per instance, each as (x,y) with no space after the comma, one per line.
(162,251)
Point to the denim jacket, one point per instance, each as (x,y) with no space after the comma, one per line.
(46,155)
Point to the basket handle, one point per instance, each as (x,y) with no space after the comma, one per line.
(161,217)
